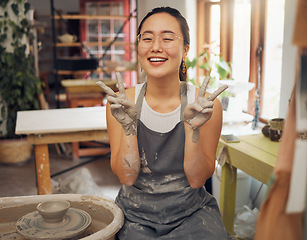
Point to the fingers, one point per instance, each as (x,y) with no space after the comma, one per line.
(216,93)
(198,107)
(203,87)
(126,102)
(120,103)
(108,90)
(121,87)
(112,100)
(115,106)
(207,110)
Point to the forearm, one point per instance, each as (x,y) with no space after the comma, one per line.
(125,162)
(198,165)
(122,128)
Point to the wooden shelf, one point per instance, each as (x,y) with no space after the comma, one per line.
(92,44)
(91,17)
(98,70)
(94,38)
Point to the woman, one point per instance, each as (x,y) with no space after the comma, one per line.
(163,136)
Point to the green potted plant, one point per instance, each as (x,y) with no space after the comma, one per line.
(19,85)
(213,64)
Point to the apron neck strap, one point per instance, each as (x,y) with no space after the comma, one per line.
(139,101)
(184,98)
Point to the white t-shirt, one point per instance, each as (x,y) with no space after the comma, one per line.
(162,122)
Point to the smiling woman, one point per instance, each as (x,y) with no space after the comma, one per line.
(161,46)
(163,135)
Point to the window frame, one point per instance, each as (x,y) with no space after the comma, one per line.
(258,20)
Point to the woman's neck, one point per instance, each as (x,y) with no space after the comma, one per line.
(163,95)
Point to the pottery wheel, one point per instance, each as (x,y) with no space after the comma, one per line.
(32,225)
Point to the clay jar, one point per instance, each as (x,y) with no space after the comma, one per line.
(276,128)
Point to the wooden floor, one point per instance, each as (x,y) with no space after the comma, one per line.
(20,180)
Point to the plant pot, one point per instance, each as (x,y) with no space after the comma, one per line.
(15,151)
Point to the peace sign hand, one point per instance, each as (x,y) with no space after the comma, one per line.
(122,108)
(199,112)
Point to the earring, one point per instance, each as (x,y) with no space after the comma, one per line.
(141,69)
(184,67)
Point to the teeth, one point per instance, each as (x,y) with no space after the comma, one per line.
(157,60)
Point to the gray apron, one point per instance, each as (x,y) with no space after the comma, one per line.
(161,204)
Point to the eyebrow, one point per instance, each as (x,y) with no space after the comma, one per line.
(164,31)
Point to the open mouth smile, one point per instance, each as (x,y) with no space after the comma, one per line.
(156,59)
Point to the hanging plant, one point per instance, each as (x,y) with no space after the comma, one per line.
(19,85)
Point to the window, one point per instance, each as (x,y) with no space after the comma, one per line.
(273,58)
(109,35)
(241,46)
(251,38)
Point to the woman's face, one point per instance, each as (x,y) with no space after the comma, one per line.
(158,55)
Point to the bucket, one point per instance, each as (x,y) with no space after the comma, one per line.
(242,190)
(107,218)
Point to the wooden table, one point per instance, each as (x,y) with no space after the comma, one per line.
(45,127)
(85,93)
(86,85)
(256,155)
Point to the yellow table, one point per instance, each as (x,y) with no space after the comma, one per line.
(45,127)
(256,155)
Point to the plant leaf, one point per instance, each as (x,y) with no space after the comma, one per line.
(4,3)
(15,8)
(27,7)
(223,68)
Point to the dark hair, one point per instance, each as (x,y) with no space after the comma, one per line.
(183,26)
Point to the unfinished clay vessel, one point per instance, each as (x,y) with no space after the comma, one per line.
(54,220)
(53,211)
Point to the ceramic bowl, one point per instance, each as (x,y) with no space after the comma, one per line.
(53,211)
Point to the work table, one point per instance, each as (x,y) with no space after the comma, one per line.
(45,127)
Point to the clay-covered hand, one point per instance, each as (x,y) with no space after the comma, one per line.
(199,112)
(122,108)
